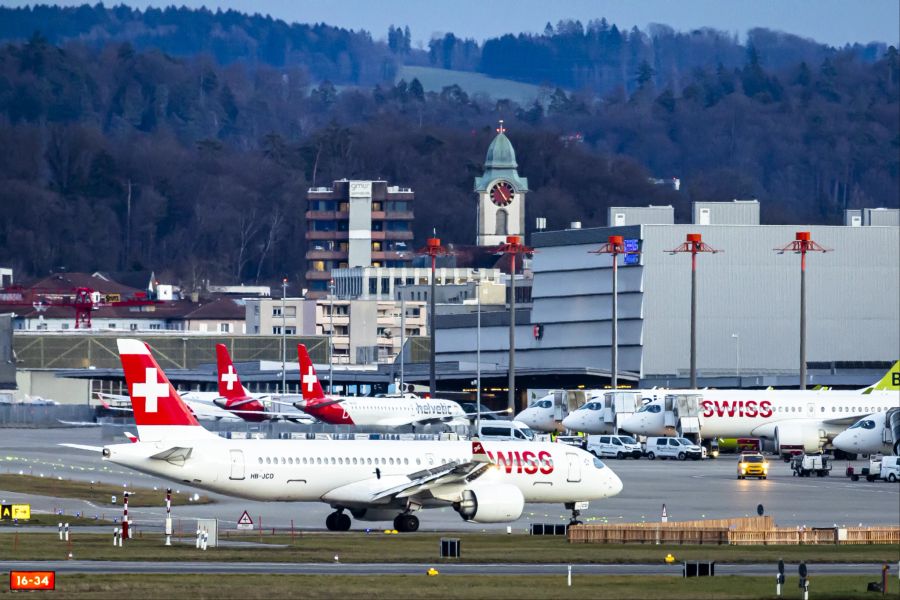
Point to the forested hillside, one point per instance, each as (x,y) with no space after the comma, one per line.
(120,158)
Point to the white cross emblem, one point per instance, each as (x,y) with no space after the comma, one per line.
(229,378)
(309,379)
(151,390)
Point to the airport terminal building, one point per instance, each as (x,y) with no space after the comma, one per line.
(748,307)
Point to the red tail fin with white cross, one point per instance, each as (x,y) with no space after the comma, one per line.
(230,386)
(159,411)
(309,383)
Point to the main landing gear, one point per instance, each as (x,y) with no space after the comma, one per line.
(406,522)
(338,521)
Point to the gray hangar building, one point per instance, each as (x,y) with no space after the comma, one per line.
(748,308)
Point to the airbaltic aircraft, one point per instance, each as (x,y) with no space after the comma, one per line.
(371,479)
(378,411)
(797,420)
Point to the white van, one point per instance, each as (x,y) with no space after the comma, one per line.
(890,468)
(505,431)
(620,446)
(670,447)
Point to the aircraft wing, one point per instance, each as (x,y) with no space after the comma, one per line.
(382,490)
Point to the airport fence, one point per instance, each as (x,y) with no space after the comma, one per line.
(747,531)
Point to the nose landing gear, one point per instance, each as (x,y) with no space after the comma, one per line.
(338,521)
(406,522)
(575,513)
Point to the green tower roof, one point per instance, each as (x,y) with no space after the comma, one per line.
(500,154)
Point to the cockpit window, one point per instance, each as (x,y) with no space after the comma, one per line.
(543,404)
(650,408)
(598,463)
(865,424)
(592,406)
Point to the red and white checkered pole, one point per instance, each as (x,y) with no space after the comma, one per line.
(126,531)
(168,516)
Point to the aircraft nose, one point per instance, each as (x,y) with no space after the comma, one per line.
(845,441)
(614,484)
(572,422)
(632,424)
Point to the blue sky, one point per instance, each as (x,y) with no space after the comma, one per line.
(834,22)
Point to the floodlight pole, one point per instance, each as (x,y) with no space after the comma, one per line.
(512,247)
(802,244)
(433,249)
(614,247)
(694,244)
(283,336)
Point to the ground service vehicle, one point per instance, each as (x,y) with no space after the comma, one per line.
(670,447)
(752,465)
(500,431)
(620,446)
(804,465)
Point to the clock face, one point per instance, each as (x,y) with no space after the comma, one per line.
(502,193)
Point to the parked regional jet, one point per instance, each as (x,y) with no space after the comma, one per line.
(371,479)
(796,420)
(873,434)
(379,411)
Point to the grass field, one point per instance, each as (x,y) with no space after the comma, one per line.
(414,548)
(98,493)
(434,80)
(249,587)
(50,519)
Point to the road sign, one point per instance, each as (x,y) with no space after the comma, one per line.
(8,512)
(245,522)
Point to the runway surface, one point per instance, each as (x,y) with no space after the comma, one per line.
(690,490)
(134,567)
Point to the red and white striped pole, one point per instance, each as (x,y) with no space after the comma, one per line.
(126,533)
(168,516)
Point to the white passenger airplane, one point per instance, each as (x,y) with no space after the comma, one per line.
(869,434)
(371,479)
(796,420)
(378,411)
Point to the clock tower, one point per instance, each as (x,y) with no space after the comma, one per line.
(501,194)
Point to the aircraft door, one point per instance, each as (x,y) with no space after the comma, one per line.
(237,464)
(574,468)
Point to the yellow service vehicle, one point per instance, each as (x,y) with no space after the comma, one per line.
(752,465)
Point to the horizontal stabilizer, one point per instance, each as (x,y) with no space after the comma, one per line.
(83,447)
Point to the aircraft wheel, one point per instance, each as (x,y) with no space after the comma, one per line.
(331,521)
(343,522)
(406,523)
(651,456)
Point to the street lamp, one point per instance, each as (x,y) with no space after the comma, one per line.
(283,337)
(737,356)
(331,338)
(478,352)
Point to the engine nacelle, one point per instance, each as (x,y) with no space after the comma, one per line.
(798,437)
(498,503)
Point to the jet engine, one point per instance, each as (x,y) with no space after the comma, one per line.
(491,504)
(798,437)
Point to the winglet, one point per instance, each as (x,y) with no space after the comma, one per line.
(131,437)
